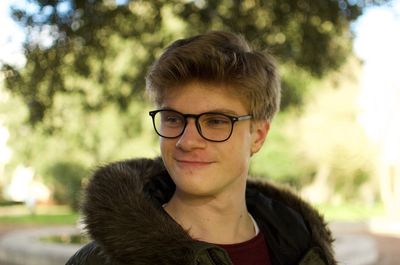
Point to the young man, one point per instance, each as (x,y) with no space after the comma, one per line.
(215,98)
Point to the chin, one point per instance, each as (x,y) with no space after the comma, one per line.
(194,183)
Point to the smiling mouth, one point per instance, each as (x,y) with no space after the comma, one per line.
(193,163)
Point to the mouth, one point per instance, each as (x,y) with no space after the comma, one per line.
(193,163)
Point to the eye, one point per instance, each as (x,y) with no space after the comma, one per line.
(215,121)
(172,119)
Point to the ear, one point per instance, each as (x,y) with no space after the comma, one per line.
(259,134)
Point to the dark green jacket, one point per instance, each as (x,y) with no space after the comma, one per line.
(123,214)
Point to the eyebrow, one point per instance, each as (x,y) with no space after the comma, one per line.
(218,110)
(225,111)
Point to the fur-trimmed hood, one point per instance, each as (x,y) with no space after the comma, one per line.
(123,214)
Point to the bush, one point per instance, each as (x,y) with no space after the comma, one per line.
(67,178)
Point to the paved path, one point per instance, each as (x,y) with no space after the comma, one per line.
(389,249)
(385,235)
(22,247)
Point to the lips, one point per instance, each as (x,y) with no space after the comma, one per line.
(193,162)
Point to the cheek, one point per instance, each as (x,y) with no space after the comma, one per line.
(240,150)
(166,148)
(166,143)
(243,144)
(237,161)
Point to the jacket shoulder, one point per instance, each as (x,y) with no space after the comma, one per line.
(321,236)
(90,254)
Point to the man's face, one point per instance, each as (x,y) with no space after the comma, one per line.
(203,168)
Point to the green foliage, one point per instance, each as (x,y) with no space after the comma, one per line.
(321,145)
(79,101)
(101,50)
(66,179)
(277,159)
(296,86)
(4,202)
(66,146)
(329,138)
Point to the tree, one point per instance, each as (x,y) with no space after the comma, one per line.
(82,89)
(323,150)
(88,38)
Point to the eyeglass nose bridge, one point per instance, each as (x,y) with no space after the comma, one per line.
(196,122)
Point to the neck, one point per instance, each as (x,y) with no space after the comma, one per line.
(212,220)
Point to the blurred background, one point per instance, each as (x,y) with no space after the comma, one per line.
(72,97)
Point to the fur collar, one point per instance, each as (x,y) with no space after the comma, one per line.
(122,211)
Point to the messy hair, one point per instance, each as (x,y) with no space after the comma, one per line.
(219,58)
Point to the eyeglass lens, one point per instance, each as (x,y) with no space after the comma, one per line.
(211,126)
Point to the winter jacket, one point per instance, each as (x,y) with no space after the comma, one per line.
(123,214)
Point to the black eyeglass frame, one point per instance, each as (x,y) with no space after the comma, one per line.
(196,117)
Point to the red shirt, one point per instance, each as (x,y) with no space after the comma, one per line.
(252,252)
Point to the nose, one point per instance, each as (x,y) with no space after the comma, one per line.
(191,138)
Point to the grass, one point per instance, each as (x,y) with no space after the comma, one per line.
(44,215)
(42,219)
(350,212)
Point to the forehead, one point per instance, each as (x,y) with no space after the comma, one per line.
(198,97)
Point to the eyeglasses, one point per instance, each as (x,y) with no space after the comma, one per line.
(212,126)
